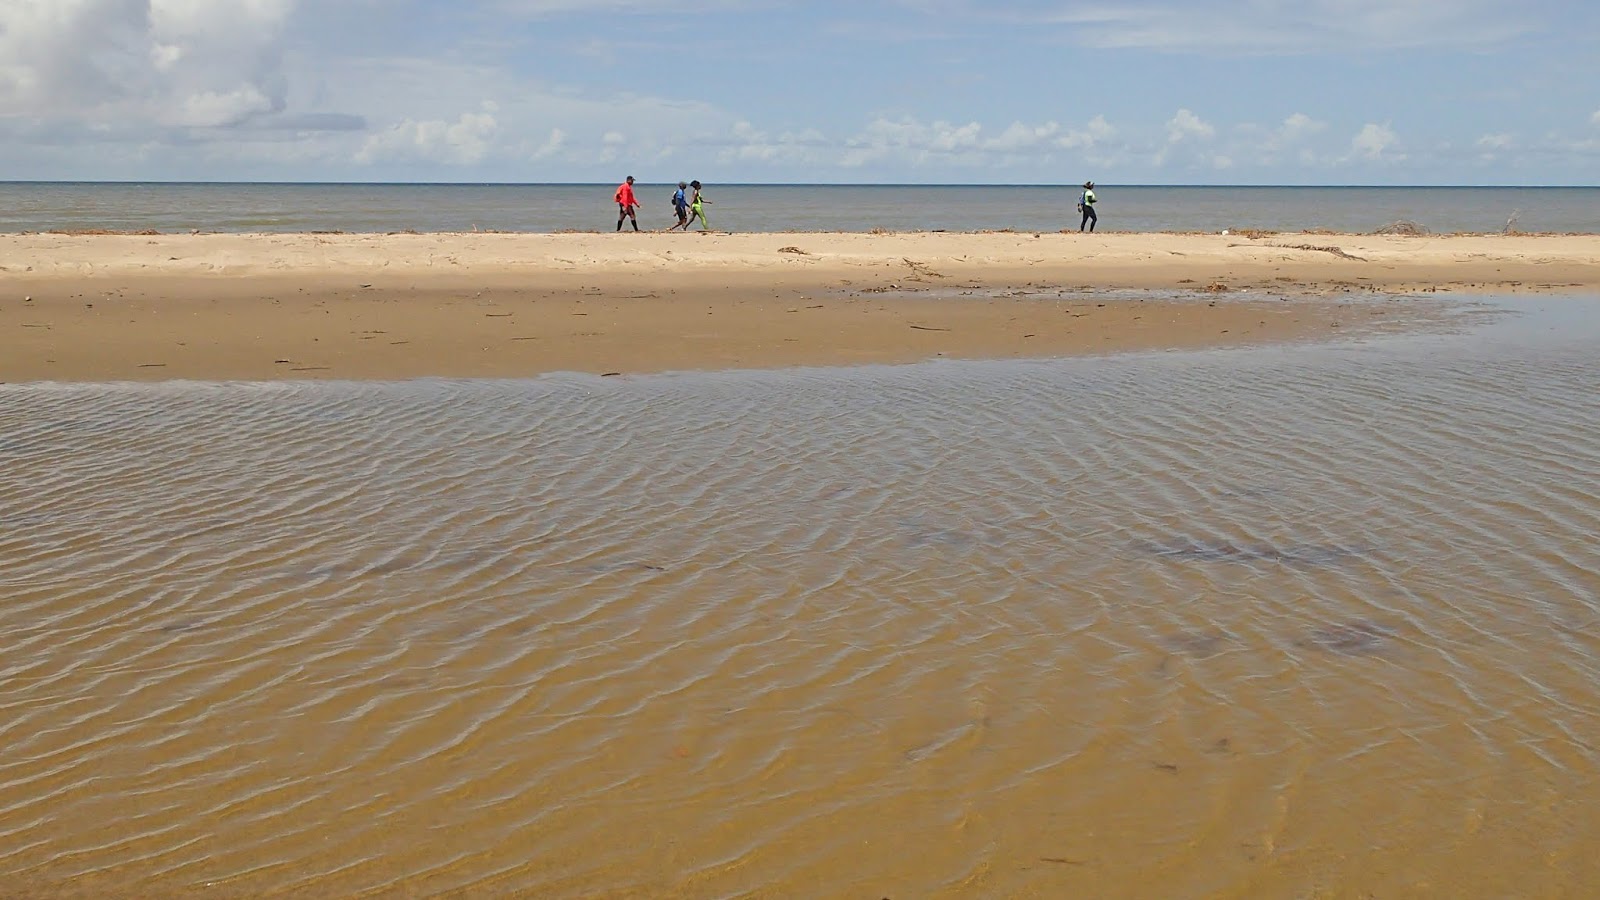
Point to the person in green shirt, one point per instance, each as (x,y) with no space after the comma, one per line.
(1086,206)
(697,208)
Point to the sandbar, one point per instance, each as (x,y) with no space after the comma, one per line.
(111,307)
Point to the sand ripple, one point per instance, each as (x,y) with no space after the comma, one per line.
(1259,623)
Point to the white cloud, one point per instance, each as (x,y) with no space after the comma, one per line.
(1375,141)
(910,141)
(1187,125)
(552,145)
(463,142)
(1097,131)
(1020,137)
(210,109)
(1492,142)
(129,63)
(1595,119)
(1297,127)
(746,143)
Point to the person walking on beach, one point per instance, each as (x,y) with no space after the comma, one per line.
(626,204)
(680,205)
(1086,206)
(697,208)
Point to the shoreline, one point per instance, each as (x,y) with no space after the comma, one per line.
(395,306)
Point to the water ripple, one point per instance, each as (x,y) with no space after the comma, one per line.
(1225,622)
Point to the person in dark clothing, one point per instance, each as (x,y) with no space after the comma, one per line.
(680,205)
(1086,206)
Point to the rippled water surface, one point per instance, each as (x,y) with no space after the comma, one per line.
(1281,622)
(29,206)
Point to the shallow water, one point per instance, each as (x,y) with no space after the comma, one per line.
(1269,622)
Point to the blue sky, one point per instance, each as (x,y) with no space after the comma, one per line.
(902,91)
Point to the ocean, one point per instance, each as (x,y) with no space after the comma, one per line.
(1283,621)
(767,208)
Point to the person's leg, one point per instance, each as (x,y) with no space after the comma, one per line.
(1094,219)
(622,214)
(1085,220)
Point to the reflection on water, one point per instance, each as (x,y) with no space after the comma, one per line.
(1282,622)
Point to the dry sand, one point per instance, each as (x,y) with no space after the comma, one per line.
(257,306)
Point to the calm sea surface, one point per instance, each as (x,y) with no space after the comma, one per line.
(1280,622)
(545,208)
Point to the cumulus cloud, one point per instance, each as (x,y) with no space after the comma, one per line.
(1097,131)
(551,146)
(911,141)
(1297,127)
(745,142)
(194,63)
(1595,119)
(1187,125)
(463,142)
(1374,141)
(907,141)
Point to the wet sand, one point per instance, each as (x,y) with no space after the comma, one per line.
(259,306)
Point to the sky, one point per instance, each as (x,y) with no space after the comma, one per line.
(1361,92)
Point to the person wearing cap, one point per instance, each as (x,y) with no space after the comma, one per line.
(1086,206)
(680,205)
(626,203)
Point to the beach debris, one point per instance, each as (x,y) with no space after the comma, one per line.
(98,232)
(928,328)
(795,250)
(1403,229)
(1216,287)
(1336,251)
(1511,222)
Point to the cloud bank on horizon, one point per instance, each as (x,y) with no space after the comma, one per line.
(916,91)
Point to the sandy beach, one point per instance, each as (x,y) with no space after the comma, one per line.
(79,307)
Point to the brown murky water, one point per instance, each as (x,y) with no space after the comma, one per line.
(1292,622)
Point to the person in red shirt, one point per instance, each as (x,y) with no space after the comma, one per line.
(626,203)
